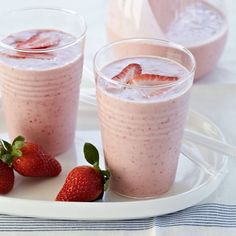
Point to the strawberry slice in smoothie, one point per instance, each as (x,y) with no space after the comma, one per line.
(128,73)
(41,39)
(35,41)
(23,55)
(152,79)
(132,75)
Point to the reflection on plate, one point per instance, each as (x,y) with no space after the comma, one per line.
(197,177)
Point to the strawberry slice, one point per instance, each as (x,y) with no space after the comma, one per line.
(13,55)
(41,56)
(22,55)
(152,79)
(40,40)
(128,73)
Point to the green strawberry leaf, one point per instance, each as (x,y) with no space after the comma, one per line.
(18,142)
(106,185)
(9,151)
(16,152)
(7,158)
(6,145)
(91,154)
(2,149)
(106,175)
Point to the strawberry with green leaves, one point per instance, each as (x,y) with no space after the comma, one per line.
(85,183)
(29,159)
(7,177)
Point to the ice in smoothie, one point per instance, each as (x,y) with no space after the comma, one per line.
(197,25)
(40,87)
(142,127)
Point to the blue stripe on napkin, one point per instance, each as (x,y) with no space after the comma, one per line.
(208,215)
(12,223)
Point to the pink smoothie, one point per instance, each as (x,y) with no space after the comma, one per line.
(204,35)
(197,25)
(40,90)
(142,128)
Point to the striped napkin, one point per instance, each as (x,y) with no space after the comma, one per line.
(205,219)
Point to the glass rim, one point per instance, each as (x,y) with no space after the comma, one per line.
(62,10)
(138,39)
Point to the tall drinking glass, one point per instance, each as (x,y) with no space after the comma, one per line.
(142,120)
(41,60)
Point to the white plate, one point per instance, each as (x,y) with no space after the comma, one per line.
(195,181)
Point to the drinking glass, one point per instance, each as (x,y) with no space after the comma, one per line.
(142,136)
(40,81)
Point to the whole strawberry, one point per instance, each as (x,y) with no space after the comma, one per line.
(30,159)
(6,178)
(85,183)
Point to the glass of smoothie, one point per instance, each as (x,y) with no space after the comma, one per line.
(143,89)
(41,60)
(199,25)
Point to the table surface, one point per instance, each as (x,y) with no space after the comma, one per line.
(213,96)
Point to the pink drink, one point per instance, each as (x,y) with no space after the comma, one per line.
(198,25)
(203,30)
(40,90)
(142,128)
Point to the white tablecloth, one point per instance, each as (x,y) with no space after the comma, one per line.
(213,96)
